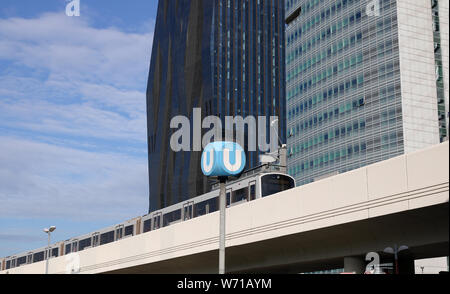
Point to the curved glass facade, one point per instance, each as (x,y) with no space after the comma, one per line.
(223,56)
(344,101)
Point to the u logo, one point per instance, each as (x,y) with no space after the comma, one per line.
(226,160)
(207,167)
(223,159)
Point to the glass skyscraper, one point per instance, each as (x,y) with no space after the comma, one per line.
(223,56)
(365,82)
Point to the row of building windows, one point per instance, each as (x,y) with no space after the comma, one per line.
(332,92)
(385,70)
(326,116)
(337,68)
(329,31)
(309,5)
(334,48)
(442,117)
(322,16)
(345,129)
(345,153)
(327,73)
(328,158)
(331,71)
(317,59)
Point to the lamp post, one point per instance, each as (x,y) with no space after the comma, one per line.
(223,205)
(48,231)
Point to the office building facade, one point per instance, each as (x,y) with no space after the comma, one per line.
(366,81)
(223,56)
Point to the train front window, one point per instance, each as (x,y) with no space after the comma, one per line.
(271,184)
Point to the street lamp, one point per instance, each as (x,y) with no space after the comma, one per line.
(48,231)
(395,251)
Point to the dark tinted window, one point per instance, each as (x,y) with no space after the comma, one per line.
(147,225)
(21,260)
(205,207)
(240,195)
(129,230)
(107,237)
(55,252)
(38,256)
(271,184)
(84,243)
(67,249)
(171,217)
(252,192)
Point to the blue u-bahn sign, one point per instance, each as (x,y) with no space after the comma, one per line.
(221,159)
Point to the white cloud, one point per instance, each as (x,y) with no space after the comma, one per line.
(45,181)
(67,85)
(66,77)
(72,50)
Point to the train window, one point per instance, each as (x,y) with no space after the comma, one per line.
(201,208)
(39,256)
(171,217)
(55,252)
(129,230)
(84,243)
(239,195)
(271,184)
(8,264)
(21,260)
(68,247)
(206,207)
(147,225)
(252,191)
(107,237)
(228,198)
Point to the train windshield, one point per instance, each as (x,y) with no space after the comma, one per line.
(271,184)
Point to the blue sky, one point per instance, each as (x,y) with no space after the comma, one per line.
(73,149)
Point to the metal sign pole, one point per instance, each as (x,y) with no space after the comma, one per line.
(222,225)
(216,163)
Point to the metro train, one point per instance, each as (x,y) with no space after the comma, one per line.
(254,184)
